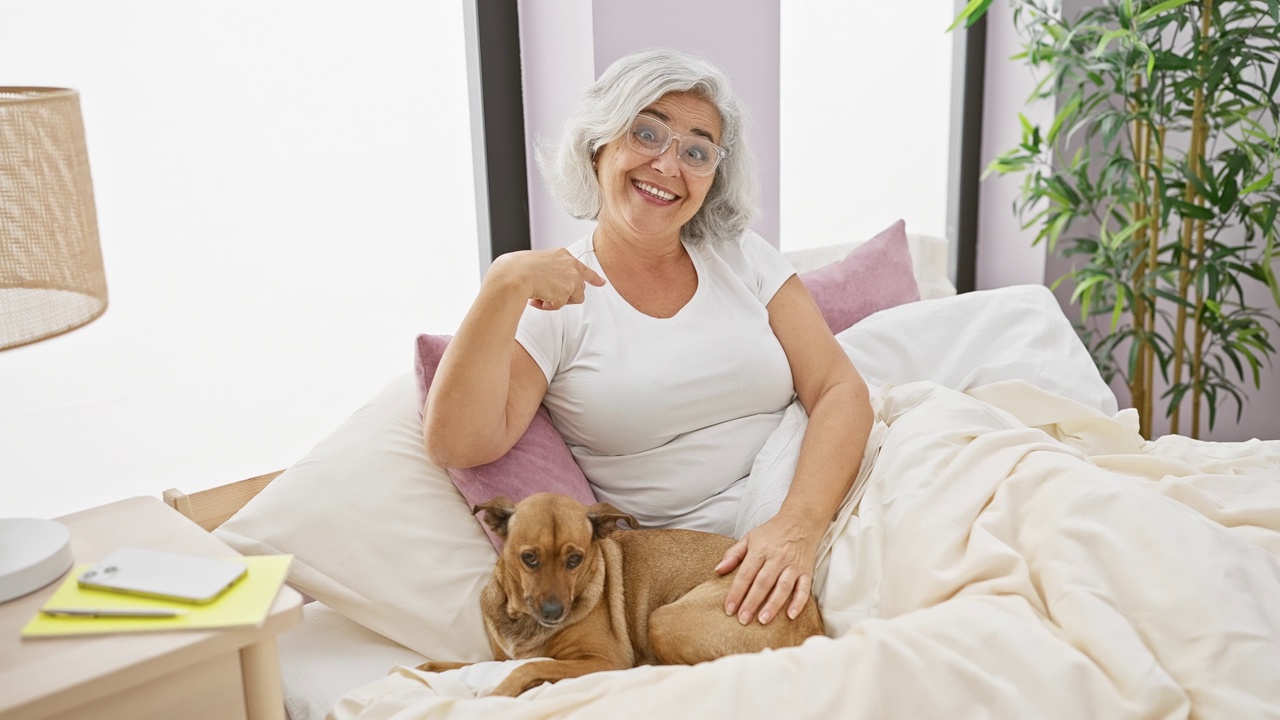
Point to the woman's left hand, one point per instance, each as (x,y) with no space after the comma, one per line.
(775,569)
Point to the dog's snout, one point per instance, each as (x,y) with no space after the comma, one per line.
(552,609)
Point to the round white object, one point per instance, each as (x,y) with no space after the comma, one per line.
(33,553)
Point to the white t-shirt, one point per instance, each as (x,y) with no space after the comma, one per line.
(665,416)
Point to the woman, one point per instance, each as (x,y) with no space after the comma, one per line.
(667,343)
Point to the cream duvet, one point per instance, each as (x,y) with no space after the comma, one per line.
(1007,553)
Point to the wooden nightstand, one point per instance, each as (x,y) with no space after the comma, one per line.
(218,674)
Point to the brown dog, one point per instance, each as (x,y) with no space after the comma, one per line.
(566,587)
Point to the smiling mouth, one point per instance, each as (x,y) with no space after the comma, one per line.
(654,192)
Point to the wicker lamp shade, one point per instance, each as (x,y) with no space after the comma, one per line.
(51,276)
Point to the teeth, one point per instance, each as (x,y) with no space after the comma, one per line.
(656,192)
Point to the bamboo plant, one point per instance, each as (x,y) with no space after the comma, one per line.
(1157,177)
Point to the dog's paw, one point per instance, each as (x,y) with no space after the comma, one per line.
(514,686)
(436,667)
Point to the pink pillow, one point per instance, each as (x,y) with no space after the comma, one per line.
(874,276)
(539,462)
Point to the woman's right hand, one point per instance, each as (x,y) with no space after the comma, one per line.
(549,279)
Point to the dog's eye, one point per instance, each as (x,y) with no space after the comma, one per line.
(574,561)
(530,559)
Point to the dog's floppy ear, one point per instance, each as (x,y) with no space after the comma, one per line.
(604,519)
(496,514)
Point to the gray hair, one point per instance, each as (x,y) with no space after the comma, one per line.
(604,114)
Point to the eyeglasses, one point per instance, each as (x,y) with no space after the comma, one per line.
(649,136)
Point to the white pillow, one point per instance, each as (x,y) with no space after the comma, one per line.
(378,533)
(382,536)
(977,338)
(961,342)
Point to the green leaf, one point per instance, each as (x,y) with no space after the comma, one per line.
(1028,130)
(1167,60)
(1229,195)
(1106,39)
(1082,289)
(1134,348)
(1175,395)
(971,14)
(1191,212)
(1275,77)
(1055,230)
(1175,299)
(1229,351)
(1269,273)
(1111,124)
(1130,229)
(1215,73)
(1105,236)
(1263,182)
(1203,187)
(1256,368)
(1158,8)
(1072,105)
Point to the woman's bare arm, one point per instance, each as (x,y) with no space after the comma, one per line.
(487,387)
(777,559)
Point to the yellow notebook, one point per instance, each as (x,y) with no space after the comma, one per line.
(246,604)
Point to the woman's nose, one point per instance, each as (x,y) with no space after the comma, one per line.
(668,163)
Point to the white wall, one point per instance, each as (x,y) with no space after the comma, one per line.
(866,107)
(285,199)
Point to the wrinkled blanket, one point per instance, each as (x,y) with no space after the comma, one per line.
(1007,553)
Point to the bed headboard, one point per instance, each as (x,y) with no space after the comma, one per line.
(210,508)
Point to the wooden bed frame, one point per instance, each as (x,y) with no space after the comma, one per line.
(210,508)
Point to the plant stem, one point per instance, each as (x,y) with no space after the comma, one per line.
(1139,381)
(1153,253)
(1197,362)
(1196,150)
(1184,283)
(1197,167)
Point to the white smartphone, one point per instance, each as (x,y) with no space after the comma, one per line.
(170,576)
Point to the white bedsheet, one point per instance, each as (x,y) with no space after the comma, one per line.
(1015,554)
(328,655)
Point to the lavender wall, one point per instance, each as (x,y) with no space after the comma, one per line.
(740,36)
(1005,255)
(566,44)
(557,52)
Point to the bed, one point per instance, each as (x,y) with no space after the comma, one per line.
(1011,548)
